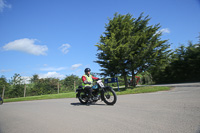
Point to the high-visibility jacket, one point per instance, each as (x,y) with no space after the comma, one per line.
(89,79)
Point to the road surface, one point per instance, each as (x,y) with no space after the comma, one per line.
(174,111)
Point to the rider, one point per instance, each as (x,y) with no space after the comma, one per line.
(87,82)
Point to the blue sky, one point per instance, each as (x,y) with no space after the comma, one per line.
(55,38)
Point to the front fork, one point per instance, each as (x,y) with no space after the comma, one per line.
(103,91)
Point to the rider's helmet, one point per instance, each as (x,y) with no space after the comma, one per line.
(87,70)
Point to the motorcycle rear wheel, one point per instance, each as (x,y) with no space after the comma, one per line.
(82,97)
(109,97)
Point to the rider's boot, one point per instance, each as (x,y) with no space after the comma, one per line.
(90,100)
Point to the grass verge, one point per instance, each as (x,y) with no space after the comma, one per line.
(41,97)
(143,89)
(123,91)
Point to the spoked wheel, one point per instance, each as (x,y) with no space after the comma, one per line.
(109,97)
(82,97)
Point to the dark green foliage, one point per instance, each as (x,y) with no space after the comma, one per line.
(69,82)
(129,46)
(183,67)
(146,78)
(17,86)
(35,78)
(44,86)
(37,86)
(3,84)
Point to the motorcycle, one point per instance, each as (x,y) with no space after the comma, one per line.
(99,91)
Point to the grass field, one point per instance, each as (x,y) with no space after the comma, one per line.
(123,91)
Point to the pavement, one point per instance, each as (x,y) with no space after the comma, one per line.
(174,111)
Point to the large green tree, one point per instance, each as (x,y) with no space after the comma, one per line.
(129,46)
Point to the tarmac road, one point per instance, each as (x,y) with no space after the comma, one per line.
(174,111)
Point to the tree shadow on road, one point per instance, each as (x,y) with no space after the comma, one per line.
(91,104)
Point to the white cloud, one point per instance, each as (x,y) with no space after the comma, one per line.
(165,30)
(26,45)
(75,66)
(64,48)
(27,79)
(3,5)
(52,75)
(5,70)
(53,69)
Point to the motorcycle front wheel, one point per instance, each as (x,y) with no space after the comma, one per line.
(109,96)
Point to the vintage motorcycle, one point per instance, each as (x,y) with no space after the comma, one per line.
(99,91)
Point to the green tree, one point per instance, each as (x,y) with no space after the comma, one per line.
(70,81)
(35,78)
(186,63)
(44,86)
(17,86)
(114,46)
(129,45)
(4,84)
(183,66)
(146,46)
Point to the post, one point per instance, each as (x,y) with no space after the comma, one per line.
(58,85)
(3,91)
(116,80)
(25,90)
(74,85)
